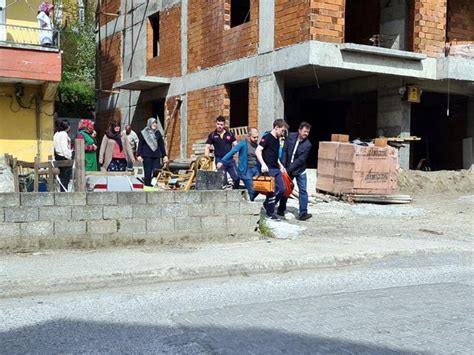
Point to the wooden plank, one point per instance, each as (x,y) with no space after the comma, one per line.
(50,177)
(80,166)
(16,180)
(36,169)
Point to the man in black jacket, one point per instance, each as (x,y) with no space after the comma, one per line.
(295,153)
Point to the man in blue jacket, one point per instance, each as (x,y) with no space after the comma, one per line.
(248,163)
(295,153)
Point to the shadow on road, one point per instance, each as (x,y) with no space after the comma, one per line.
(71,336)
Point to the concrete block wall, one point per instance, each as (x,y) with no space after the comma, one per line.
(32,221)
(168,62)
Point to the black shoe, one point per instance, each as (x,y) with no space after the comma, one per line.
(305,216)
(274,217)
(281,215)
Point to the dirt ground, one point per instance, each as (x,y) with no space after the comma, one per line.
(442,208)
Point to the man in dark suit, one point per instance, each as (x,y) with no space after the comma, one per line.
(295,153)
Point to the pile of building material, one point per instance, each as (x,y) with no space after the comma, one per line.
(346,168)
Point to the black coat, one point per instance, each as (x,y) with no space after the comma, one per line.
(145,151)
(299,163)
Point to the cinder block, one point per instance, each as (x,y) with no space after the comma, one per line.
(80,213)
(9,199)
(201,210)
(160,197)
(146,211)
(102,198)
(70,199)
(188,224)
(70,228)
(229,208)
(55,213)
(9,230)
(102,227)
(21,214)
(187,197)
(214,223)
(241,224)
(36,229)
(237,195)
(28,243)
(250,208)
(132,226)
(131,198)
(159,225)
(117,212)
(2,214)
(36,199)
(210,197)
(174,210)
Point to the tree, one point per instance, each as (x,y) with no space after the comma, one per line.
(76,94)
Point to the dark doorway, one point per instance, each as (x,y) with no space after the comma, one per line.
(441,135)
(362,21)
(239,104)
(355,116)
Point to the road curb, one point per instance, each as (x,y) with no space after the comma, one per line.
(26,288)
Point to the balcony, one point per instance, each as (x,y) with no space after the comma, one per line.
(29,55)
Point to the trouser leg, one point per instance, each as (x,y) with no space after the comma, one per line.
(147,170)
(301,180)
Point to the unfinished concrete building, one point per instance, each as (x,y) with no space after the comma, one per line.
(345,66)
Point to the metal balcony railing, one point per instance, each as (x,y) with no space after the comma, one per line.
(13,35)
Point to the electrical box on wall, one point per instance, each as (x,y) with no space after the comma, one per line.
(414,94)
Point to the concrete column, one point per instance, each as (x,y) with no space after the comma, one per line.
(266,26)
(468,157)
(393,117)
(271,104)
(393,22)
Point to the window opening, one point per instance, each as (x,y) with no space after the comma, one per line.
(239,12)
(239,104)
(155,28)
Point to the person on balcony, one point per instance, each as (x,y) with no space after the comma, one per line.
(45,23)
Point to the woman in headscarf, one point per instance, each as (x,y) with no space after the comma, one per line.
(115,150)
(63,151)
(85,129)
(151,149)
(45,10)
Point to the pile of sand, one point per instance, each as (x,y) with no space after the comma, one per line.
(412,181)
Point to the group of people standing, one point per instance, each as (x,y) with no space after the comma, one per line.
(268,157)
(118,151)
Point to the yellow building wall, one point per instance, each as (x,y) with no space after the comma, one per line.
(19,14)
(18,126)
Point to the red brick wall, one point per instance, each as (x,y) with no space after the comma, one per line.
(203,108)
(173,131)
(327,20)
(110,62)
(302,20)
(460,21)
(211,41)
(168,63)
(429,35)
(253,102)
(108,6)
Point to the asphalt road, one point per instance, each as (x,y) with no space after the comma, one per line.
(402,305)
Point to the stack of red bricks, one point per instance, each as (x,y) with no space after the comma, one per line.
(351,168)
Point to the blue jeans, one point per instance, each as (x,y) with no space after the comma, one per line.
(248,181)
(301,181)
(229,167)
(274,197)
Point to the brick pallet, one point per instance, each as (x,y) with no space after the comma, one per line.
(349,168)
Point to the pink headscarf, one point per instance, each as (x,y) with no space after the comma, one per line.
(86,124)
(45,7)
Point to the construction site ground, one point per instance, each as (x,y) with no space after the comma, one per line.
(338,235)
